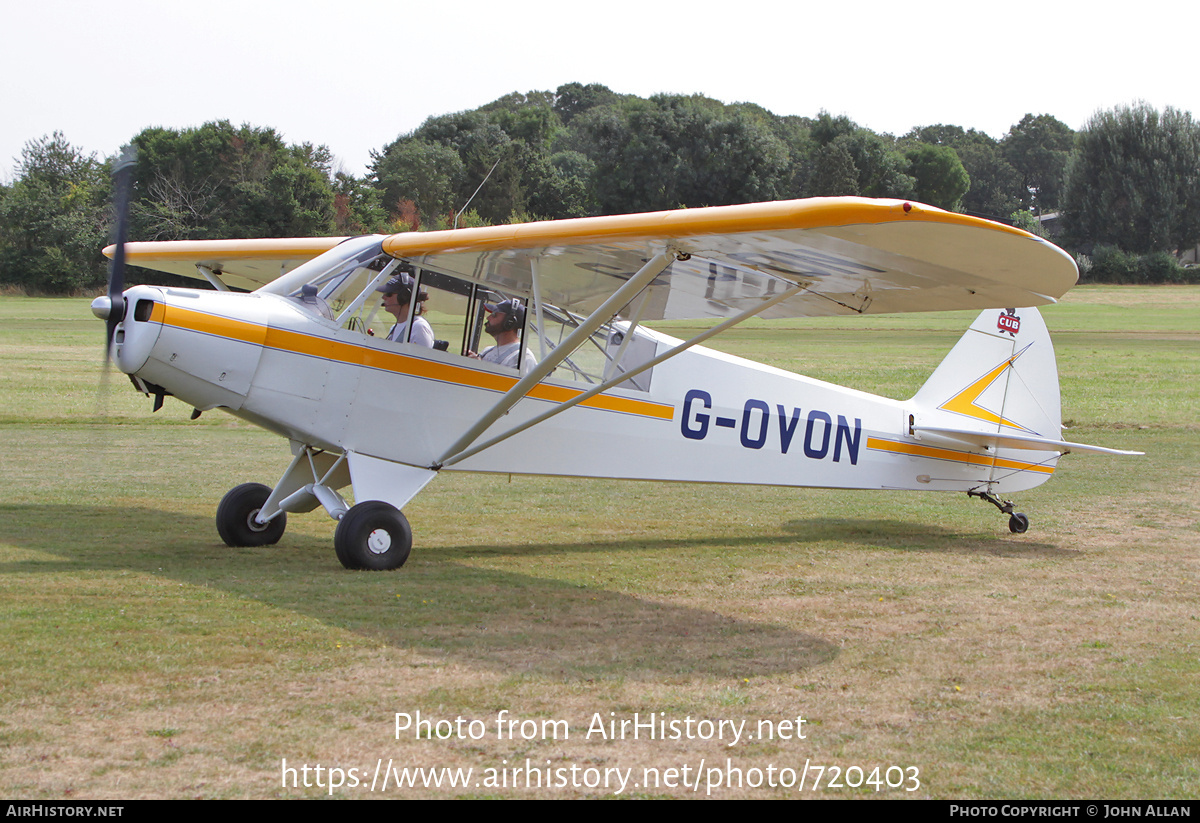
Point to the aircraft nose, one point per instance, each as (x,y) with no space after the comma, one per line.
(101,306)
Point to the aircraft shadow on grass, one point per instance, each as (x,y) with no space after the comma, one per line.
(918,537)
(876,534)
(440,607)
(499,619)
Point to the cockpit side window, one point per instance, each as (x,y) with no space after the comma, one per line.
(343,285)
(351,292)
(610,351)
(498,330)
(447,306)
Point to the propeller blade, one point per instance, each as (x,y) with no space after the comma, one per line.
(122,190)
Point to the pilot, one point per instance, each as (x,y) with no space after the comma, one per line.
(504,322)
(397,294)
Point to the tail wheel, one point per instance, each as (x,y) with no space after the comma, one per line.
(236,513)
(373,535)
(1017,522)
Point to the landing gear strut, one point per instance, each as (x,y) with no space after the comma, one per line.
(1017,522)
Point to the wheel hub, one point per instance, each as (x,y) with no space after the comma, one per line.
(379,541)
(252,522)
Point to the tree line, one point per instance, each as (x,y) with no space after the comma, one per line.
(1125,185)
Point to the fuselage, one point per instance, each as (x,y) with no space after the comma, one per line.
(704,416)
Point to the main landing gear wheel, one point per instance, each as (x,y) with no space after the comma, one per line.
(1018,523)
(373,535)
(235,517)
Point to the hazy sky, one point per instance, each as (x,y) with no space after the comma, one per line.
(354,74)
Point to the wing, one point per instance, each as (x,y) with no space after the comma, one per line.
(851,255)
(243,264)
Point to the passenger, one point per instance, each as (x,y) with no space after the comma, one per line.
(397,294)
(504,322)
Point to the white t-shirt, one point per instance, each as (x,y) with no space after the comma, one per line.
(507,355)
(422,332)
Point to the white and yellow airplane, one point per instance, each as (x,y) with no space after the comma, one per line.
(596,393)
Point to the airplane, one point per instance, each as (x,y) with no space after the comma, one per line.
(304,350)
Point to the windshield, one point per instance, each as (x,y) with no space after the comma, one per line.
(350,253)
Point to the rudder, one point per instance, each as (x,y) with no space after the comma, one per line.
(1000,378)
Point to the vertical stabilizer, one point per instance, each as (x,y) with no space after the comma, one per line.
(1001,378)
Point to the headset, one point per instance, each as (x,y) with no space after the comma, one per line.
(514,313)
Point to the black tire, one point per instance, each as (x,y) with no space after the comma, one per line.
(235,517)
(1018,523)
(373,535)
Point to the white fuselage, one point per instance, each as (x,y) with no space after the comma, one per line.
(707,416)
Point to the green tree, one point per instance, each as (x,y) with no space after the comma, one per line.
(795,133)
(834,174)
(1039,148)
(674,150)
(219,181)
(564,187)
(1028,221)
(1134,182)
(995,185)
(996,188)
(938,135)
(485,152)
(882,170)
(357,206)
(292,200)
(571,99)
(940,177)
(530,117)
(628,165)
(429,174)
(497,181)
(54,218)
(828,128)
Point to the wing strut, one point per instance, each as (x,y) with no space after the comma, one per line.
(615,363)
(535,274)
(605,386)
(605,312)
(211,277)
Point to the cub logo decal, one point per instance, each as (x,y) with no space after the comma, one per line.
(1008,322)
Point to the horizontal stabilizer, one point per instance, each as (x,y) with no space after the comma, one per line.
(1012,441)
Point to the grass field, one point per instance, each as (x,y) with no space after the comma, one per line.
(922,644)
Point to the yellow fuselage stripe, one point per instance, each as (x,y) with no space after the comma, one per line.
(917,450)
(335,350)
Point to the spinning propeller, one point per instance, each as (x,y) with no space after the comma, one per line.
(111,308)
